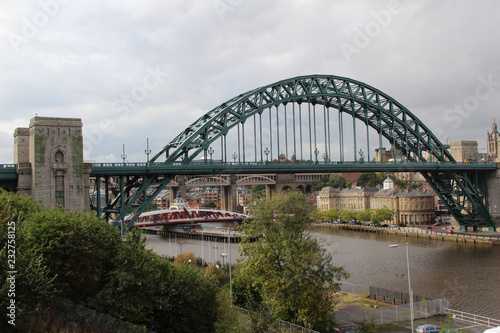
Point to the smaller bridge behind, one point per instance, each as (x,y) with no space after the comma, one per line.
(185,216)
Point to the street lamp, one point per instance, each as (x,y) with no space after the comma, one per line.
(234,157)
(223,255)
(124,157)
(409,282)
(266,151)
(316,152)
(210,151)
(401,289)
(147,151)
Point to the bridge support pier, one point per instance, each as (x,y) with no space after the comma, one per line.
(228,196)
(494,197)
(181,181)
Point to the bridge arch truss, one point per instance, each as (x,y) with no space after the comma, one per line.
(305,120)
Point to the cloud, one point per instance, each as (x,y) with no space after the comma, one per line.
(428,55)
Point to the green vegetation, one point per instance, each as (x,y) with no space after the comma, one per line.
(209,205)
(286,274)
(382,214)
(82,259)
(335,180)
(259,191)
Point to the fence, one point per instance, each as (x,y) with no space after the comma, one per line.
(73,317)
(421,308)
(283,324)
(472,318)
(379,294)
(400,313)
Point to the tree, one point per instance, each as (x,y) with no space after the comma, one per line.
(258,191)
(331,214)
(209,205)
(336,180)
(382,214)
(348,215)
(364,215)
(369,179)
(78,249)
(286,270)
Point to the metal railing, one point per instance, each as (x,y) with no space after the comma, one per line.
(472,318)
(282,323)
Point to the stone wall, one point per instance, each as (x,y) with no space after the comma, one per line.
(494,196)
(49,157)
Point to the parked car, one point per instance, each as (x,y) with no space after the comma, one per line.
(345,328)
(437,224)
(384,225)
(428,227)
(402,225)
(427,328)
(450,231)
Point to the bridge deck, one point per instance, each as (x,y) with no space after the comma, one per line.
(178,168)
(8,172)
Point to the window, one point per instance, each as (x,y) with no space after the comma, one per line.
(60,191)
(59,157)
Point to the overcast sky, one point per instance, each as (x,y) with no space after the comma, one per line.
(180,59)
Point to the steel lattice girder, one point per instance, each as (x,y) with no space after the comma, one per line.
(458,190)
(375,108)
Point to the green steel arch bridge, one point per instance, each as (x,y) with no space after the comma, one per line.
(307,124)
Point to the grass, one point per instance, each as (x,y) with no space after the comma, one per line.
(346,299)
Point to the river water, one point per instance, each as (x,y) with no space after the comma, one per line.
(466,274)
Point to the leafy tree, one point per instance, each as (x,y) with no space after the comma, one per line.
(209,205)
(259,191)
(78,250)
(336,180)
(146,289)
(285,270)
(316,215)
(364,215)
(348,215)
(185,257)
(33,284)
(331,214)
(369,179)
(382,214)
(369,326)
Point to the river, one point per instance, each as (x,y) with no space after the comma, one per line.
(466,274)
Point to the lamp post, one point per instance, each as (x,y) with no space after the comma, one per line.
(224,255)
(266,151)
(230,275)
(147,151)
(210,151)
(401,289)
(409,281)
(234,157)
(316,152)
(124,157)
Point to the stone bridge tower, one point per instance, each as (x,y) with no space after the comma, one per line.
(49,159)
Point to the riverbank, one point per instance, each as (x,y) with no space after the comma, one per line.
(480,237)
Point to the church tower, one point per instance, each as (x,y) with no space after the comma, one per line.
(492,142)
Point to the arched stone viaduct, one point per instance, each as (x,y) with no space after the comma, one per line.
(274,183)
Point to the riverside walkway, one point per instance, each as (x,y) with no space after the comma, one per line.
(437,232)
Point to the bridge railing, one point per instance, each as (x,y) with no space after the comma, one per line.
(8,166)
(308,162)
